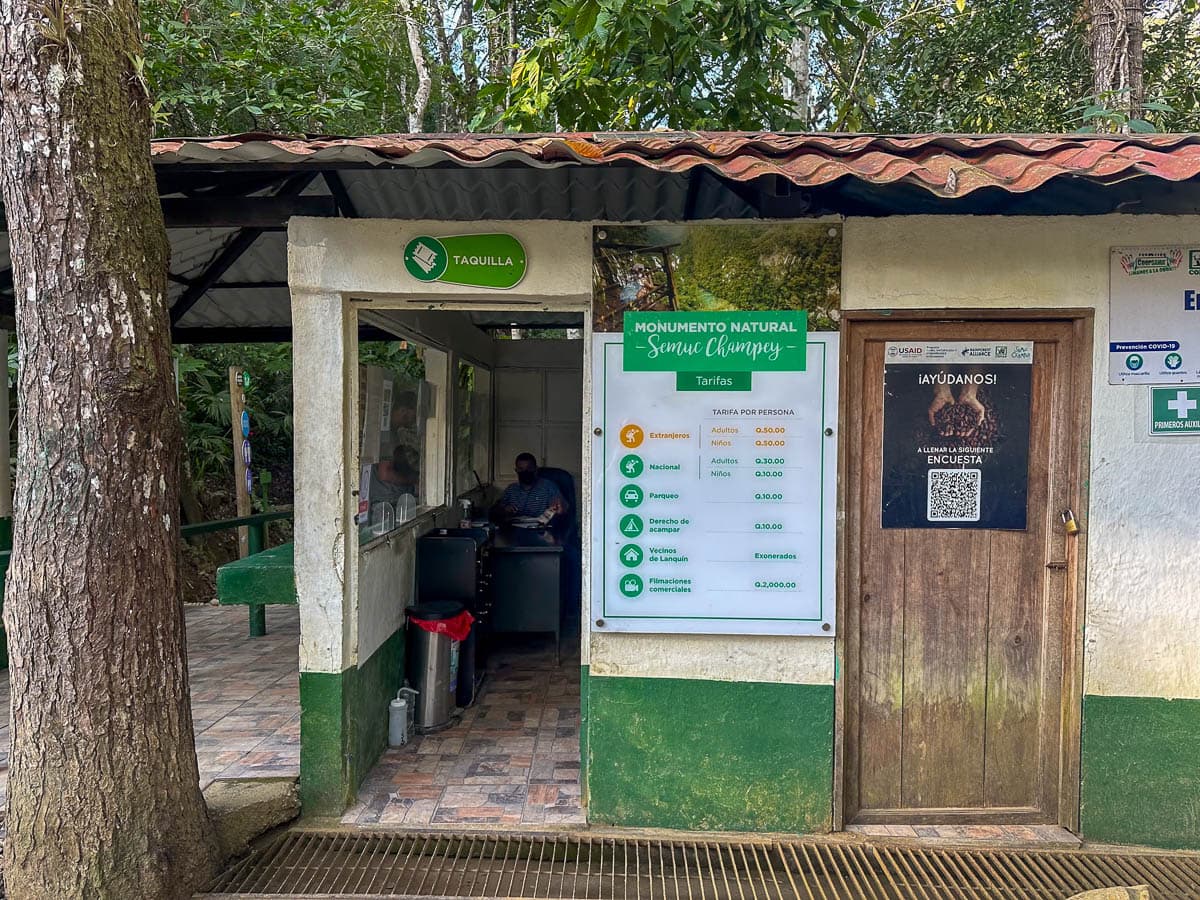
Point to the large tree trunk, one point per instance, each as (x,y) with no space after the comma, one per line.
(1115,38)
(103,796)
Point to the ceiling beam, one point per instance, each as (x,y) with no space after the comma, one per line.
(242,212)
(271,334)
(341,196)
(232,252)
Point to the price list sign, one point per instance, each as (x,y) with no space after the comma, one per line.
(715,470)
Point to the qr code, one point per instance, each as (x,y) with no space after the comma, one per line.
(954,495)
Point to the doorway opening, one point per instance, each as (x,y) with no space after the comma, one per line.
(493,452)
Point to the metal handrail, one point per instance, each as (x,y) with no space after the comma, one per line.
(188,531)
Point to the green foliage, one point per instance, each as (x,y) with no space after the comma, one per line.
(681,64)
(204,396)
(999,66)
(761,267)
(307,66)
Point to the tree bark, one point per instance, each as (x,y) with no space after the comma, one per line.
(1115,39)
(416,115)
(798,91)
(103,790)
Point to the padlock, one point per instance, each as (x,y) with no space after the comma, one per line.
(1068,520)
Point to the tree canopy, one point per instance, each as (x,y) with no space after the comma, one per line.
(331,66)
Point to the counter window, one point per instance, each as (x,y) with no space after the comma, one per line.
(394,406)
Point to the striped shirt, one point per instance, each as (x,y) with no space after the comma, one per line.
(531,502)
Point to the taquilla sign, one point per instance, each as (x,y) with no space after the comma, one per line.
(475,260)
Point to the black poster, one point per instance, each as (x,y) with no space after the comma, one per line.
(956,434)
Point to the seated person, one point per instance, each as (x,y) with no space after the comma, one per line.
(531,496)
(392,478)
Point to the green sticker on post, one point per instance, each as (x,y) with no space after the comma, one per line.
(495,261)
(716,342)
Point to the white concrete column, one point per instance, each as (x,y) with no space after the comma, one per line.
(324,378)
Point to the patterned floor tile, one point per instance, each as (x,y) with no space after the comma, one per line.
(513,758)
(245,695)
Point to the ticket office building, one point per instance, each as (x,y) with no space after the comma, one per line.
(1039,673)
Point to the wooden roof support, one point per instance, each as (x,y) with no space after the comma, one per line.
(233,251)
(341,196)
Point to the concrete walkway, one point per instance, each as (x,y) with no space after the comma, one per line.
(245,695)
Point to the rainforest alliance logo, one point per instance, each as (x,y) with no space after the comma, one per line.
(494,261)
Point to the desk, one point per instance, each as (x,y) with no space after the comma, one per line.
(527,582)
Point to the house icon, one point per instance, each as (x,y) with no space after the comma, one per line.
(632,554)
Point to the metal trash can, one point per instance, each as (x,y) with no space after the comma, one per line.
(433,662)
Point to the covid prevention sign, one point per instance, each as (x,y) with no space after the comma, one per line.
(956,420)
(1154,315)
(715,475)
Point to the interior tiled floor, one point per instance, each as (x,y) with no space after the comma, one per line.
(513,759)
(245,695)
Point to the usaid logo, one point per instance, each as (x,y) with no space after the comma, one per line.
(894,351)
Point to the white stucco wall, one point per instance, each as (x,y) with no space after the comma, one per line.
(1143,595)
(365,258)
(336,269)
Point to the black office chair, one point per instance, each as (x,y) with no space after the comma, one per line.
(567,529)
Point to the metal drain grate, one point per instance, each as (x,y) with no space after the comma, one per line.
(574,867)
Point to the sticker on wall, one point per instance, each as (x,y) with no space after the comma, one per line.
(475,260)
(1154,315)
(956,434)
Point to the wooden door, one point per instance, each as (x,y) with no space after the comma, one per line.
(960,693)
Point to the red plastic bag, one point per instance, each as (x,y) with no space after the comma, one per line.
(456,629)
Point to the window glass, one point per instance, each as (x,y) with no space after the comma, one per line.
(473,427)
(394,408)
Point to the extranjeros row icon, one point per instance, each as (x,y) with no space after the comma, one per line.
(475,260)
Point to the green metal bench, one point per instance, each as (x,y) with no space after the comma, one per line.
(263,578)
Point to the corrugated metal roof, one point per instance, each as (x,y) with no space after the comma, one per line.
(944,165)
(651,177)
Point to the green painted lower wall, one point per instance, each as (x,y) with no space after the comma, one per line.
(343,727)
(583,731)
(375,684)
(1140,770)
(709,755)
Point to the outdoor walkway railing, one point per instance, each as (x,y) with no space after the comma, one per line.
(256,526)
